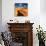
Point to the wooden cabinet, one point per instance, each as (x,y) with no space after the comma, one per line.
(22,33)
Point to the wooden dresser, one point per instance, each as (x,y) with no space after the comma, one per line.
(22,33)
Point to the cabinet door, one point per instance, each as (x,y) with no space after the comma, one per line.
(20,37)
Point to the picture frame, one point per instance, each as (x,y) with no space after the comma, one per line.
(21,9)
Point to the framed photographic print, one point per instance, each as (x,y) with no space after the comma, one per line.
(21,9)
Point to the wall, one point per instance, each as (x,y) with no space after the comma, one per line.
(43,6)
(35,15)
(43,14)
(0,15)
(8,11)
